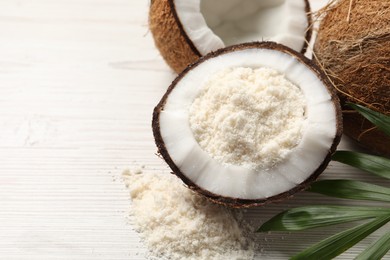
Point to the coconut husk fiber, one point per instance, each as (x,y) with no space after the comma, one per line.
(169,37)
(353,48)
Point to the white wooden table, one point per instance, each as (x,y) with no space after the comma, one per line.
(78,82)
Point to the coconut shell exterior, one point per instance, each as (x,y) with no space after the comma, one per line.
(353,47)
(169,36)
(176,48)
(246,203)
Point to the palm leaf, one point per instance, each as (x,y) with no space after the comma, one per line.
(380,120)
(302,218)
(370,163)
(376,250)
(349,189)
(339,243)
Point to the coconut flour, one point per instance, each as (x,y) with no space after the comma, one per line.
(248,117)
(178,224)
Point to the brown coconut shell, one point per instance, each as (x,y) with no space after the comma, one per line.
(353,47)
(246,203)
(174,44)
(169,36)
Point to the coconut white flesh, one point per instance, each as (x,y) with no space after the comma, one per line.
(213,24)
(237,181)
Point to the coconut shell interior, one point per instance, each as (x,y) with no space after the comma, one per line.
(245,203)
(353,47)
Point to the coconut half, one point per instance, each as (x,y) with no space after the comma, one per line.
(185,30)
(248,124)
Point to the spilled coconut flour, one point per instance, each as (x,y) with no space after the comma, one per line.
(248,117)
(178,224)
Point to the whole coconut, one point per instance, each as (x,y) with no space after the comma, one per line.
(353,47)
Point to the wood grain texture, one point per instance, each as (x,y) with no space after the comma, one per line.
(78,82)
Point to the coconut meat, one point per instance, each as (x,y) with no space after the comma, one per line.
(248,117)
(214,24)
(234,179)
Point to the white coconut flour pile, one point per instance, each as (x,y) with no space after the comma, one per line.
(248,117)
(176,223)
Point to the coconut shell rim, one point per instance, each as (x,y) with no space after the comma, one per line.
(237,202)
